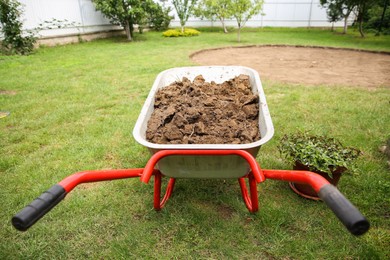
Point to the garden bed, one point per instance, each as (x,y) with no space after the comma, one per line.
(306,65)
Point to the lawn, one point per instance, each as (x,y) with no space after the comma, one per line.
(73,108)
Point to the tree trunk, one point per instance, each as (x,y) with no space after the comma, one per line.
(362,11)
(223,25)
(128,33)
(131,26)
(182,24)
(361,27)
(345,24)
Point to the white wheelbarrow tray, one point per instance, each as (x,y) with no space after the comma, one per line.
(179,166)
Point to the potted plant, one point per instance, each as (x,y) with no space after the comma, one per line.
(320,154)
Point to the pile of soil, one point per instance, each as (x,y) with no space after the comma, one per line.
(200,112)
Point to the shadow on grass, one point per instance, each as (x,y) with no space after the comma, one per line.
(123,39)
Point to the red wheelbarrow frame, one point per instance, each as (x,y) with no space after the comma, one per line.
(355,222)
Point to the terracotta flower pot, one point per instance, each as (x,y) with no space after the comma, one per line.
(306,190)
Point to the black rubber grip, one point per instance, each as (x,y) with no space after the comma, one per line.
(348,214)
(38,208)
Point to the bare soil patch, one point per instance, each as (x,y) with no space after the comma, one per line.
(7,92)
(200,112)
(302,65)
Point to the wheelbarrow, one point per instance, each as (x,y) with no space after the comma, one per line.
(209,161)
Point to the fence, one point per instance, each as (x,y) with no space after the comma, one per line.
(82,14)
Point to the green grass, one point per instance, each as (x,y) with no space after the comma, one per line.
(73,108)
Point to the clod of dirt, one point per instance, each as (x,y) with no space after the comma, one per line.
(386,150)
(201,112)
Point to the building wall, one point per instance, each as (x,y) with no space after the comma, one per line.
(82,13)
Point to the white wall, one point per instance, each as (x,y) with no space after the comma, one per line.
(278,13)
(80,12)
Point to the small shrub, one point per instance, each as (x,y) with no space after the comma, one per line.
(14,41)
(178,33)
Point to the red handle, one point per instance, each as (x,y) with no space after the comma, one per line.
(314,180)
(347,213)
(70,182)
(50,198)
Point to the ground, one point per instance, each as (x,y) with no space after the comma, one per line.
(309,66)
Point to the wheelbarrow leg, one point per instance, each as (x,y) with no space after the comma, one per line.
(252,201)
(158,205)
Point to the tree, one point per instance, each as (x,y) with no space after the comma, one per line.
(385,4)
(339,9)
(214,9)
(243,10)
(378,18)
(361,11)
(184,9)
(345,7)
(333,13)
(334,16)
(125,12)
(159,17)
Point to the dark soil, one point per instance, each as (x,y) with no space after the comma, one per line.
(200,112)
